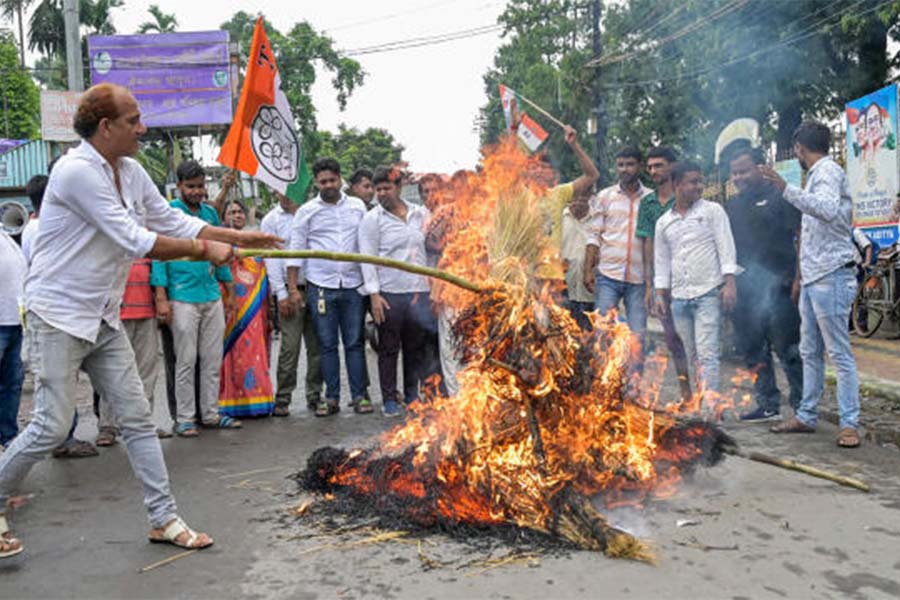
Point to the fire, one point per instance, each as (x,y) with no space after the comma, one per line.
(547,414)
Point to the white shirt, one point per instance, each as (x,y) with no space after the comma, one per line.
(382,233)
(28,235)
(693,252)
(574,240)
(319,225)
(826,228)
(88,236)
(13,268)
(277,222)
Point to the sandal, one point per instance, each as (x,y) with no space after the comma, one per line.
(75,448)
(171,532)
(106,437)
(848,437)
(363,406)
(792,425)
(9,545)
(226,422)
(186,429)
(325,408)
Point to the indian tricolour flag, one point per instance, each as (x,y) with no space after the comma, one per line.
(530,133)
(262,141)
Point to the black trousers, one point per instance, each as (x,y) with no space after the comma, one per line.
(767,321)
(405,329)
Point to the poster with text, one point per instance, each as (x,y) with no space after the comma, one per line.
(872,162)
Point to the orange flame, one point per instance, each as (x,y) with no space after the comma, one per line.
(542,404)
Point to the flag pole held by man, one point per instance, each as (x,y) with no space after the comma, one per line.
(101,210)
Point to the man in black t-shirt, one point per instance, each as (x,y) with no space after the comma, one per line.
(765,226)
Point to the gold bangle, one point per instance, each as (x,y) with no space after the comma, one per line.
(196,249)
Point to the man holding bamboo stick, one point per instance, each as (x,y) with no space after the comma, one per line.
(98,213)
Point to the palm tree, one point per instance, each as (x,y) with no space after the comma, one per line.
(11,8)
(47,32)
(161,23)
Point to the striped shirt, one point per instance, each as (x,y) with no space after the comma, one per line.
(613,222)
(137,302)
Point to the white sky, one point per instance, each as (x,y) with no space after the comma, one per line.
(427,97)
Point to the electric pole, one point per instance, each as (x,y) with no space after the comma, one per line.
(73,46)
(597,90)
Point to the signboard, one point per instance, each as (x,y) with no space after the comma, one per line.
(790,171)
(179,79)
(58,110)
(872,163)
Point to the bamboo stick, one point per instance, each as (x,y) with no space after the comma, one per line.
(362,258)
(793,465)
(542,111)
(167,561)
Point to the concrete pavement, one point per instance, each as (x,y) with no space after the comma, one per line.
(777,533)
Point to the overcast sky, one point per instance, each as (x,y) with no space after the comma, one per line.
(427,97)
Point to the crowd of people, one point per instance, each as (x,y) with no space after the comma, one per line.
(111,276)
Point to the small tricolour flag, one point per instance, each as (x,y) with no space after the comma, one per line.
(262,141)
(530,133)
(511,104)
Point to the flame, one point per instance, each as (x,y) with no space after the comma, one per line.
(544,408)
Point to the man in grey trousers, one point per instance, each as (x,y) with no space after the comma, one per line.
(101,210)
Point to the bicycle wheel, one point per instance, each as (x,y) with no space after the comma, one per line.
(868,309)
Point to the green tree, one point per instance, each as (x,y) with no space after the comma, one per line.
(21,100)
(298,53)
(46,33)
(355,149)
(677,71)
(161,23)
(10,9)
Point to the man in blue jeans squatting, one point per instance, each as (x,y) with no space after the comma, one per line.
(330,222)
(827,284)
(695,267)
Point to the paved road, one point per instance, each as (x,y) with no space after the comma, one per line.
(792,536)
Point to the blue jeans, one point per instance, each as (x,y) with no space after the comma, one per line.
(11,376)
(824,310)
(608,292)
(698,322)
(344,314)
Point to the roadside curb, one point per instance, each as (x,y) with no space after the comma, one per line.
(877,430)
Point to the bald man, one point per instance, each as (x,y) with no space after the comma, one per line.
(100,211)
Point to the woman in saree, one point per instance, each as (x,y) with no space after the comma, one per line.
(246,388)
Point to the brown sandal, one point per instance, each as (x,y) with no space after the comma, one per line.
(848,438)
(792,425)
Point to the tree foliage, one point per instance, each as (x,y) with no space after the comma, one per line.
(19,96)
(161,22)
(297,53)
(677,71)
(356,149)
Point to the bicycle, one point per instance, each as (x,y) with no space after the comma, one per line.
(878,296)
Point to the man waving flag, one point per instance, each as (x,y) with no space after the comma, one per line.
(262,141)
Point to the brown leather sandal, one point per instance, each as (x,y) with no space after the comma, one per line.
(792,425)
(848,438)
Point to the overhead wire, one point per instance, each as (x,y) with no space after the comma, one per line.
(804,34)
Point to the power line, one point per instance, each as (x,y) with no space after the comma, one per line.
(802,35)
(423,41)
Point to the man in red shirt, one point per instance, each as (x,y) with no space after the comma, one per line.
(138,316)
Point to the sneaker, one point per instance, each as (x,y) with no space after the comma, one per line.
(326,408)
(392,409)
(760,414)
(281,410)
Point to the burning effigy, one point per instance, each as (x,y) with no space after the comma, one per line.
(548,416)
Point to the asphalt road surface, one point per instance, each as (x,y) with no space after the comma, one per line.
(755,531)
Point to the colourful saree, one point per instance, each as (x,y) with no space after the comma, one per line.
(246,388)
